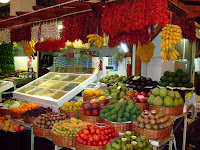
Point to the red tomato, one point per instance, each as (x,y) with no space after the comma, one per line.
(90,135)
(98,131)
(106,131)
(102,138)
(82,135)
(110,135)
(109,131)
(96,138)
(85,142)
(105,142)
(90,143)
(91,139)
(102,133)
(86,137)
(112,129)
(100,143)
(106,137)
(86,131)
(92,130)
(101,129)
(94,143)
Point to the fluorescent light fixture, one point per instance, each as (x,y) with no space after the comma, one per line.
(4,1)
(60,26)
(124,47)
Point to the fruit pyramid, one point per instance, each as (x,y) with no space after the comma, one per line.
(153,120)
(164,97)
(130,141)
(122,111)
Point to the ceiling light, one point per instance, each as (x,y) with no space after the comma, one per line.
(4,1)
(124,47)
(60,26)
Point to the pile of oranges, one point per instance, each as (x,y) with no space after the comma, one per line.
(24,108)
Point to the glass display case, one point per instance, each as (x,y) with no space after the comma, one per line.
(53,89)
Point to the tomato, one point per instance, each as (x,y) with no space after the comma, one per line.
(101,129)
(109,135)
(94,143)
(92,130)
(102,133)
(86,137)
(100,143)
(105,142)
(109,131)
(102,138)
(106,131)
(112,129)
(90,135)
(82,135)
(85,142)
(106,137)
(96,138)
(86,131)
(98,131)
(90,143)
(91,139)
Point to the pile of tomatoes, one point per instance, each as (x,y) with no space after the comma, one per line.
(97,135)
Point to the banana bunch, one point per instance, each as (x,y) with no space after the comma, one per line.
(171,35)
(97,39)
(28,47)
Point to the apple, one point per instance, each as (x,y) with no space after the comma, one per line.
(143,93)
(87,113)
(82,112)
(104,101)
(101,106)
(95,112)
(142,100)
(129,93)
(87,106)
(136,100)
(95,105)
(127,97)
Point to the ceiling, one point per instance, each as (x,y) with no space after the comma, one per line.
(191,8)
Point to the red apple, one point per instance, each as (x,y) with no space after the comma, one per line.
(87,106)
(95,105)
(101,106)
(144,93)
(104,101)
(136,100)
(95,112)
(88,113)
(130,93)
(17,129)
(82,112)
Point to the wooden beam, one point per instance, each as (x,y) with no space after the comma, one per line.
(192,15)
(156,31)
(19,13)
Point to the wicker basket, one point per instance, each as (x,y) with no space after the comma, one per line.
(170,111)
(87,147)
(69,113)
(120,127)
(29,120)
(92,119)
(143,106)
(41,132)
(5,111)
(88,97)
(62,141)
(16,115)
(153,134)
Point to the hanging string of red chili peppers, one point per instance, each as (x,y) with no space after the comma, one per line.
(80,25)
(187,27)
(132,19)
(49,45)
(21,33)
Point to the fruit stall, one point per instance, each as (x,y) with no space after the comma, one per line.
(118,75)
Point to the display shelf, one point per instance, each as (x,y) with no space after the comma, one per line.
(177,88)
(53,89)
(159,143)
